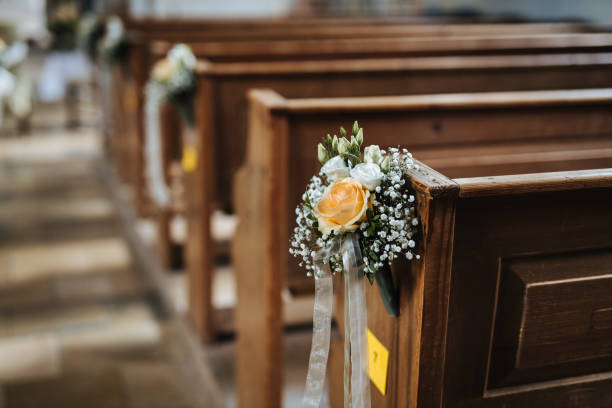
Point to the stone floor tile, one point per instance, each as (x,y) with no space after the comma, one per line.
(154,385)
(124,327)
(22,263)
(27,358)
(98,390)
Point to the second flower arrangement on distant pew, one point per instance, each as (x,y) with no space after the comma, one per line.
(172,80)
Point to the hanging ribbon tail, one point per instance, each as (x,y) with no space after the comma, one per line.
(356,383)
(321,333)
(357,395)
(155,171)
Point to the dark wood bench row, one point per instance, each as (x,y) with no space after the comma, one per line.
(222,118)
(286,50)
(473,229)
(221,139)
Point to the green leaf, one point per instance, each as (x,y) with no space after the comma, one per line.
(370,278)
(387,290)
(371,229)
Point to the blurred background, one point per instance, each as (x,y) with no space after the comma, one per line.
(90,316)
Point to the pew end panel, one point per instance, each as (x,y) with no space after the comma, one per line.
(169,252)
(139,69)
(199,197)
(530,291)
(260,196)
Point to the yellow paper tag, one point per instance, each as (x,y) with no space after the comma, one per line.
(190,159)
(129,100)
(378,362)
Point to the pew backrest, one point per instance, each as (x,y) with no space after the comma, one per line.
(223,87)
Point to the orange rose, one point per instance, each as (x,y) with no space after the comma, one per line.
(343,205)
(163,70)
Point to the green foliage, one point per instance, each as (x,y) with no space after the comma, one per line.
(349,150)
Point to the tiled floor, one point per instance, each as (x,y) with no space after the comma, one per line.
(80,326)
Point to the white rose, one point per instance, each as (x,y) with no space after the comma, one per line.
(335,168)
(371,154)
(368,174)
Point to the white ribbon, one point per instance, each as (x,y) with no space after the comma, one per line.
(357,391)
(7,84)
(155,172)
(321,332)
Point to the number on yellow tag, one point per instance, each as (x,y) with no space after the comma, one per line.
(190,159)
(378,362)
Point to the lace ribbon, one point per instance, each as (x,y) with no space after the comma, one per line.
(155,172)
(356,386)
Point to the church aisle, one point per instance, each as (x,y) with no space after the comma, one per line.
(80,326)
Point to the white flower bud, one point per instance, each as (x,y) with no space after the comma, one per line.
(359,137)
(322,152)
(385,164)
(343,146)
(371,154)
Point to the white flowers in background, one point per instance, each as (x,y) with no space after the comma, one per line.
(367,193)
(372,154)
(172,79)
(114,42)
(174,74)
(368,174)
(335,168)
(114,32)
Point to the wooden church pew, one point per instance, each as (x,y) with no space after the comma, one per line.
(233,157)
(349,48)
(142,32)
(264,29)
(221,109)
(297,31)
(488,43)
(367,30)
(475,135)
(514,269)
(141,60)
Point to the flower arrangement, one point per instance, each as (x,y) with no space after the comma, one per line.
(63,25)
(91,30)
(114,47)
(358,192)
(172,80)
(173,77)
